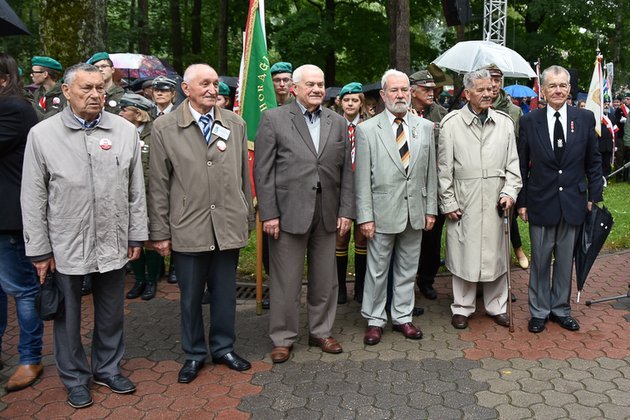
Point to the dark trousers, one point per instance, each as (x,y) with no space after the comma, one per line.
(108,291)
(217,270)
(430,253)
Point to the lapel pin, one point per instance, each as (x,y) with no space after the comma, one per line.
(572,126)
(105,144)
(221,145)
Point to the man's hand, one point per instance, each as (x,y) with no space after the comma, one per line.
(429,221)
(367,229)
(506,202)
(522,213)
(272,227)
(42,268)
(133,252)
(163,247)
(454,216)
(589,206)
(343,225)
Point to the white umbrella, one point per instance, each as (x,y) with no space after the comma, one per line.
(468,56)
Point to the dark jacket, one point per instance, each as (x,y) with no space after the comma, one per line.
(17,116)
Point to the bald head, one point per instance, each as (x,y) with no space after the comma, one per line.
(201,86)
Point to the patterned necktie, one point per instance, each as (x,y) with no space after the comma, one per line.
(351,128)
(558,136)
(403,147)
(206,122)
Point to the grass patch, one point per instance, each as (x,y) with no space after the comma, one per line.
(616,199)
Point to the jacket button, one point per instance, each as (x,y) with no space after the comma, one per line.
(211,247)
(560,189)
(209,163)
(560,171)
(212,206)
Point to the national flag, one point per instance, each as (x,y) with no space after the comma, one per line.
(533,103)
(255,92)
(595,98)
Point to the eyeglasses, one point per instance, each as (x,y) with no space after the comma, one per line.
(37,72)
(102,66)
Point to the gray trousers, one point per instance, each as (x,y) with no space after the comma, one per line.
(217,269)
(547,293)
(407,254)
(108,291)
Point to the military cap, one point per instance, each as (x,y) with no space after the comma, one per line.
(626,95)
(138,101)
(353,87)
(163,83)
(47,62)
(493,69)
(147,83)
(224,89)
(98,57)
(281,67)
(422,78)
(439,77)
(618,97)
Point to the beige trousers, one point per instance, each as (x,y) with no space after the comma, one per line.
(495,296)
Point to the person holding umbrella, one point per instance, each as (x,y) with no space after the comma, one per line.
(562,178)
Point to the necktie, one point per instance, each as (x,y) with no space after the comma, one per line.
(351,137)
(558,136)
(206,122)
(403,147)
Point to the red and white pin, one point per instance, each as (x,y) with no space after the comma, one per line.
(221,145)
(105,144)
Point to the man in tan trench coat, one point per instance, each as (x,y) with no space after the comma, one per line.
(478,169)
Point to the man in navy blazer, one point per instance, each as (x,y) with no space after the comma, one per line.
(562,178)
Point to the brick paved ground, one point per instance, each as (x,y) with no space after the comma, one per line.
(483,372)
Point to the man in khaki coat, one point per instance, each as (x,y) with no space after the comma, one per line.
(200,206)
(478,169)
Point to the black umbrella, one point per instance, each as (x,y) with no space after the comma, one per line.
(10,23)
(591,238)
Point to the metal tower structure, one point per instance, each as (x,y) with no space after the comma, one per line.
(494,21)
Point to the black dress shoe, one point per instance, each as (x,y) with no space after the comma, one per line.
(189,371)
(513,297)
(205,299)
(117,383)
(566,322)
(536,325)
(149,291)
(233,361)
(172,276)
(79,396)
(342,296)
(417,311)
(86,285)
(459,321)
(428,292)
(136,290)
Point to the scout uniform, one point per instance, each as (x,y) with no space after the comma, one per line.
(283,67)
(48,103)
(115,93)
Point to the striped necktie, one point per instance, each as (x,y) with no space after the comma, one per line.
(351,128)
(206,122)
(403,146)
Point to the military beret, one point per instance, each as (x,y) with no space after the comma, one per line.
(224,89)
(493,69)
(422,78)
(281,67)
(618,97)
(353,87)
(138,101)
(47,62)
(626,95)
(98,57)
(163,83)
(20,71)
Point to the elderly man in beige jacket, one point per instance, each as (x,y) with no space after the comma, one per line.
(478,170)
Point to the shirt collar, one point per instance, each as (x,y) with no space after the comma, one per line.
(303,108)
(196,115)
(391,117)
(85,124)
(355,121)
(562,111)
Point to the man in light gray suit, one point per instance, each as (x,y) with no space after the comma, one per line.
(396,193)
(303,178)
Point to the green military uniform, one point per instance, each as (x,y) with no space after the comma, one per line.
(49,103)
(145,143)
(503,103)
(112,99)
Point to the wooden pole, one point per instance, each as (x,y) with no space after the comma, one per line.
(259,265)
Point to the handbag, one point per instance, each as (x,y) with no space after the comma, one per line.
(49,299)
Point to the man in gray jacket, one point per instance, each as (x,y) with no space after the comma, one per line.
(84,212)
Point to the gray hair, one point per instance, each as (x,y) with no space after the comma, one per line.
(298,73)
(71,72)
(392,72)
(191,71)
(469,78)
(555,70)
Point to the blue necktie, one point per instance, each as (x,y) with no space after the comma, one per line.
(206,121)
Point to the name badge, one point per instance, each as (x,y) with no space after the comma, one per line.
(220,131)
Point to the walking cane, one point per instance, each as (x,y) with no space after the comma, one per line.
(508,252)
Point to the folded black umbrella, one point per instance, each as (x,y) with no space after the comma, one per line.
(591,238)
(49,299)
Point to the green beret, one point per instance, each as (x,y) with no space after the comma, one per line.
(422,78)
(98,57)
(20,72)
(138,101)
(353,87)
(163,83)
(224,90)
(493,69)
(47,62)
(281,67)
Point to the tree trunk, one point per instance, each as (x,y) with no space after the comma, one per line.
(195,30)
(132,25)
(72,31)
(222,37)
(330,65)
(143,27)
(399,48)
(176,36)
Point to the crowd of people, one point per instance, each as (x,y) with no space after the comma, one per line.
(88,191)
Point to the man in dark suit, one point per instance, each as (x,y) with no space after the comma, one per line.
(562,177)
(303,177)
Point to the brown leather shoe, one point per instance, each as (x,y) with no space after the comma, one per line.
(23,377)
(408,330)
(280,354)
(372,335)
(502,319)
(328,345)
(459,321)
